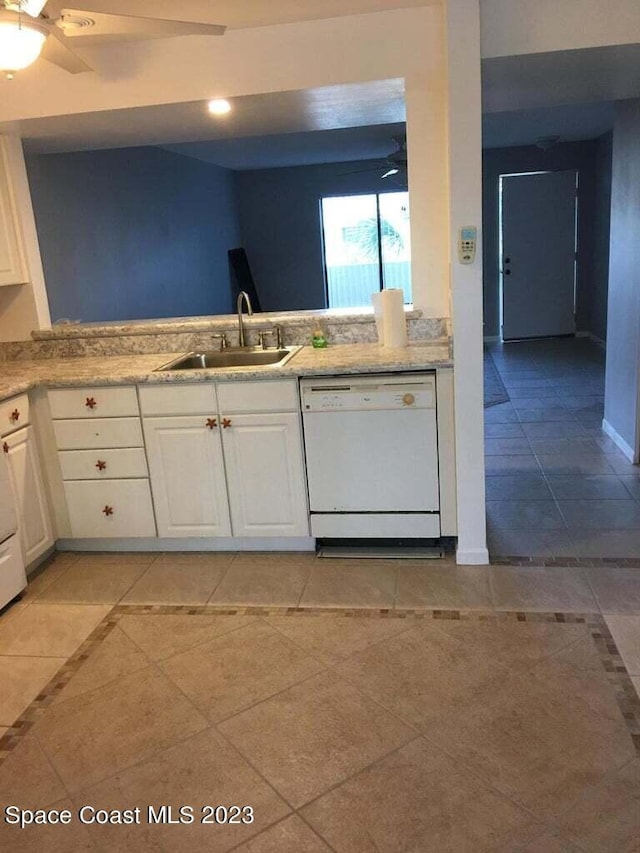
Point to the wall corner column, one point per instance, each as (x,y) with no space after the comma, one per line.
(465,208)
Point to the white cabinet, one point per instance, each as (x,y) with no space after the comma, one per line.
(13,268)
(101,452)
(229,461)
(187,476)
(109,509)
(34,524)
(265,475)
(99,402)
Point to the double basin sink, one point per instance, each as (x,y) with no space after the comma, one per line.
(232,357)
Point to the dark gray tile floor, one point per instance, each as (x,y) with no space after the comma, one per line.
(557,486)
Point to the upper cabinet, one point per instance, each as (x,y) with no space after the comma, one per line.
(13,267)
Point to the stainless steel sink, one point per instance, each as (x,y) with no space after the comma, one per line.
(232,357)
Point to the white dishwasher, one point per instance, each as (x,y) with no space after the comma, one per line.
(371,448)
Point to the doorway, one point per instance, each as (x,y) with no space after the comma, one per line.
(537,254)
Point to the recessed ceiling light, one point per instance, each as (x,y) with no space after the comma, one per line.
(219,107)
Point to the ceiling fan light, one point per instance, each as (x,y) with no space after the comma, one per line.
(219,107)
(20,45)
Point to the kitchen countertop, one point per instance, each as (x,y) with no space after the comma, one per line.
(19,376)
(173,325)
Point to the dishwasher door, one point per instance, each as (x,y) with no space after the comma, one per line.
(371,445)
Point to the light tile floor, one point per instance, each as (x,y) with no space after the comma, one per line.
(481,728)
(491,726)
(557,486)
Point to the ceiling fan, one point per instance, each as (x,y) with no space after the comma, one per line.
(395,162)
(27,32)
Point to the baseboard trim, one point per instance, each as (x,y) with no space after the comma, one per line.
(472,557)
(293,543)
(34,565)
(594,338)
(619,440)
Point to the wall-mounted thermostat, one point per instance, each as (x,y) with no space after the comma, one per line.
(467,237)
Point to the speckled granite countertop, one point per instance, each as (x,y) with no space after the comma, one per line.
(173,325)
(19,376)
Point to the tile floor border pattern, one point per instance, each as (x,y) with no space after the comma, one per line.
(610,658)
(47,695)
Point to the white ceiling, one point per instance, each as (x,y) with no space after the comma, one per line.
(296,149)
(322,109)
(572,123)
(570,94)
(560,77)
(239,14)
(567,93)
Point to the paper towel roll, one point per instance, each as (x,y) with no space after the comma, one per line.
(393,323)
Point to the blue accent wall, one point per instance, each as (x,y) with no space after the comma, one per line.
(279,213)
(132,233)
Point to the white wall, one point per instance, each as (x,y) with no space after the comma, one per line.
(465,193)
(511,27)
(622,386)
(408,43)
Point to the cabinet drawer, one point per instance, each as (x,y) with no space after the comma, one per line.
(103,464)
(110,508)
(14,413)
(268,395)
(103,432)
(178,399)
(93,402)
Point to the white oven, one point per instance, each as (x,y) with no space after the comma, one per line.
(12,575)
(371,446)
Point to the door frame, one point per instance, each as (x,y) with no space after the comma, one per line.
(501,176)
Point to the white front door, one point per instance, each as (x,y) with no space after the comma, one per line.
(538,245)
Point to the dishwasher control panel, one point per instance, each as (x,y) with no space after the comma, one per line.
(367,393)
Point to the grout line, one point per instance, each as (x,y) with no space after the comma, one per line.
(223,577)
(312,568)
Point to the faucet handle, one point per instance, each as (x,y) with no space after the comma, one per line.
(277,334)
(224,343)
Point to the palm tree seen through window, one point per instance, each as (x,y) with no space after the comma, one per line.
(366,247)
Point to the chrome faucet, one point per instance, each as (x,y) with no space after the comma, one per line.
(242,295)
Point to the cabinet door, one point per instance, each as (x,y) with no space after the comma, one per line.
(34,524)
(265,474)
(12,263)
(187,475)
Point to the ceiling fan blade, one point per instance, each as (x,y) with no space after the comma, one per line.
(57,52)
(363,171)
(78,22)
(31,7)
